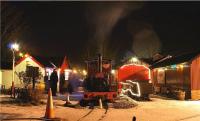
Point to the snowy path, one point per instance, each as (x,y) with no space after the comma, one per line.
(155,110)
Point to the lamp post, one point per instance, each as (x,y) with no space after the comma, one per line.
(14,47)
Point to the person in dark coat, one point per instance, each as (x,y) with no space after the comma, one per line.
(53,82)
(62,81)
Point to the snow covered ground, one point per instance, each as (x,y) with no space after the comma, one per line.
(156,110)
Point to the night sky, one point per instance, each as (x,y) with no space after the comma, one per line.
(72,28)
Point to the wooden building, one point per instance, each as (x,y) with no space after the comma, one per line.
(20,66)
(5,74)
(44,65)
(178,73)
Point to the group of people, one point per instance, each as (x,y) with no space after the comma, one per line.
(64,86)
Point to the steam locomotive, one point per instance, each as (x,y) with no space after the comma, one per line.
(101,83)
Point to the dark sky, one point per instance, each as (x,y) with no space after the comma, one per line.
(66,28)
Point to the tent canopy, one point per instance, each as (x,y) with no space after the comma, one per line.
(133,72)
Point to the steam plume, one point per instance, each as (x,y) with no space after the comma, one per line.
(146,42)
(103,17)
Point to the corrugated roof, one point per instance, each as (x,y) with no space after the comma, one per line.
(186,57)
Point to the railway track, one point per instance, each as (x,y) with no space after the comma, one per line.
(92,110)
(86,115)
(104,114)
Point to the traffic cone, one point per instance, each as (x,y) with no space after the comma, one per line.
(100,103)
(49,114)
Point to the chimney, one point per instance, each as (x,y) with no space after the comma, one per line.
(99,62)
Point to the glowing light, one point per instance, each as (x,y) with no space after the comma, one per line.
(129,90)
(28,59)
(113,71)
(181,66)
(21,54)
(161,69)
(67,72)
(49,71)
(26,55)
(84,72)
(15,46)
(75,71)
(173,66)
(58,72)
(134,59)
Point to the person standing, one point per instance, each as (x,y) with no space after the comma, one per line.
(62,82)
(66,88)
(53,82)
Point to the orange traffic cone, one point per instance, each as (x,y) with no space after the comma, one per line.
(49,114)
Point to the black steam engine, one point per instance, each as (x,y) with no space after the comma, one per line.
(99,80)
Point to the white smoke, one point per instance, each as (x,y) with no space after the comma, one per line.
(103,17)
(146,42)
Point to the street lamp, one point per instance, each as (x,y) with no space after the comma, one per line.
(14,47)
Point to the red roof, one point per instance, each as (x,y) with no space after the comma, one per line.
(64,65)
(26,56)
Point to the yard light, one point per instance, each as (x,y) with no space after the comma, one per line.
(14,48)
(181,65)
(21,54)
(113,71)
(84,72)
(26,55)
(134,59)
(75,71)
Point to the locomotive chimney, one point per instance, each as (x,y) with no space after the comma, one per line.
(99,62)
